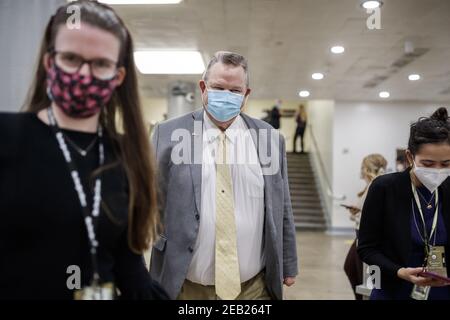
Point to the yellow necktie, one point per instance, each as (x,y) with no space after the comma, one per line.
(227,278)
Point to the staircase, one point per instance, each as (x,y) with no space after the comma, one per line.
(306,205)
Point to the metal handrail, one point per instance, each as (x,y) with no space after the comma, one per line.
(330,191)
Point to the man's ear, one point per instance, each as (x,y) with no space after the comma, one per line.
(202,86)
(247,93)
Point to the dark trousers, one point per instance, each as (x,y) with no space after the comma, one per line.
(300,132)
(353,268)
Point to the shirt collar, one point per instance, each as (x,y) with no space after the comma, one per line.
(212,132)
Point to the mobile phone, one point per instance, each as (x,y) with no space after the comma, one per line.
(427,274)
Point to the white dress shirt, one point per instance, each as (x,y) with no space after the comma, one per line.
(248,191)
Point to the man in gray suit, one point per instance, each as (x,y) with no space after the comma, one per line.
(224,197)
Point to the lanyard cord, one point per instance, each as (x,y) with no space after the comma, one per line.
(426,239)
(89,217)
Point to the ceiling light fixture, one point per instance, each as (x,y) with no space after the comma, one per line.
(129,2)
(317,76)
(384,94)
(304,93)
(169,62)
(371,4)
(337,49)
(414,77)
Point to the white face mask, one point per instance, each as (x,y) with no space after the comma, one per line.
(430,177)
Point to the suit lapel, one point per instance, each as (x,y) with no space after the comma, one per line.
(196,130)
(254,133)
(268,179)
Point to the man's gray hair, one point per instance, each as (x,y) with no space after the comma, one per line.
(228,58)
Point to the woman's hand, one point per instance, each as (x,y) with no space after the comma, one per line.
(411,275)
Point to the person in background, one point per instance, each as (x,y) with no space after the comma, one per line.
(406,218)
(229,229)
(301,120)
(275,115)
(401,163)
(77,198)
(372,166)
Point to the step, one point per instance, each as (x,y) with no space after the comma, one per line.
(296,155)
(310,226)
(299,190)
(306,216)
(307,206)
(305,165)
(303,189)
(298,169)
(297,174)
(309,219)
(299,163)
(307,211)
(305,199)
(300,181)
(306,184)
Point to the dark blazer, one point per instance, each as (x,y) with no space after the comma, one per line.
(385,232)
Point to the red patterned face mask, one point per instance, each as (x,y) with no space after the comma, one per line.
(77,95)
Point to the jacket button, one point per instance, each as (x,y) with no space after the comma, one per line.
(197,216)
(191,249)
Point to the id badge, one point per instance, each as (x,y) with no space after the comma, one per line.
(436,261)
(96,292)
(420,293)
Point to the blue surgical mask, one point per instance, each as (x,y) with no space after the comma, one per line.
(224,105)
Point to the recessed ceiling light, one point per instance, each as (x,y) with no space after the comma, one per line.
(384,94)
(124,2)
(371,4)
(337,49)
(304,93)
(169,62)
(317,76)
(414,77)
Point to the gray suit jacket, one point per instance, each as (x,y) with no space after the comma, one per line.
(180,199)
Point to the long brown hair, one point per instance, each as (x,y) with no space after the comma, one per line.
(134,147)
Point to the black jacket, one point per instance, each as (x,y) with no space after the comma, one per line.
(385,232)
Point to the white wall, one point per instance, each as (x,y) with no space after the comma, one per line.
(22,24)
(362,128)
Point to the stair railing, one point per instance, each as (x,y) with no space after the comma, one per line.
(330,192)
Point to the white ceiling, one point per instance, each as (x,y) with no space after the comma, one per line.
(286,41)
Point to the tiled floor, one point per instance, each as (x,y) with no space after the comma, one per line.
(321,275)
